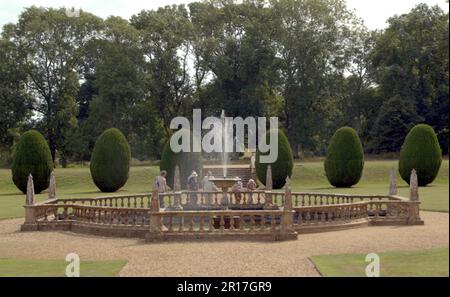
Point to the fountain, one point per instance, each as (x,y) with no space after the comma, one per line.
(224,182)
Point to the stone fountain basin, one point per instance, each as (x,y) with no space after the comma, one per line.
(224,182)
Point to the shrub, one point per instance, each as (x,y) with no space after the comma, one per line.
(110,161)
(186,161)
(345,158)
(420,151)
(32,156)
(281,168)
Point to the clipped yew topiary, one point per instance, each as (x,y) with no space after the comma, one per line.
(186,161)
(110,161)
(345,158)
(32,156)
(283,165)
(420,151)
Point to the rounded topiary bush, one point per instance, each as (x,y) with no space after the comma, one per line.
(32,156)
(420,151)
(186,161)
(283,165)
(345,158)
(110,161)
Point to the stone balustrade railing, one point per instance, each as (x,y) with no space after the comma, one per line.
(189,199)
(214,199)
(257,214)
(221,221)
(330,214)
(130,201)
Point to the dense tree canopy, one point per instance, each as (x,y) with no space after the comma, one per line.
(312,63)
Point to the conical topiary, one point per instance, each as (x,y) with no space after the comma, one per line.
(32,156)
(283,165)
(420,151)
(110,161)
(345,158)
(186,161)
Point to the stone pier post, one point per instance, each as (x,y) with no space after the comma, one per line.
(30,216)
(268,204)
(414,201)
(52,187)
(287,217)
(393,182)
(177,189)
(155,233)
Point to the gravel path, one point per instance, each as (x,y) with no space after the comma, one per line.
(222,258)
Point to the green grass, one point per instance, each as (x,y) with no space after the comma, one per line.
(22,267)
(432,262)
(309,176)
(375,180)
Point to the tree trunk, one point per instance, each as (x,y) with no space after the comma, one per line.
(52,144)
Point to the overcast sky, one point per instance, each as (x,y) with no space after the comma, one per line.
(374,12)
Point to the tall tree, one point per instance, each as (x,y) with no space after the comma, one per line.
(166,45)
(313,38)
(411,60)
(234,43)
(15,104)
(51,45)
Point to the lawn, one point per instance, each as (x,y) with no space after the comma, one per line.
(433,262)
(22,267)
(77,183)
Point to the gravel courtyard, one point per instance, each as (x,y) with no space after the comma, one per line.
(235,258)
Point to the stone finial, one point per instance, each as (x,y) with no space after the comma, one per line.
(176,179)
(29,200)
(52,187)
(413,186)
(393,182)
(269,178)
(287,195)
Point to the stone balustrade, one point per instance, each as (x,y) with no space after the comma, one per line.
(211,200)
(221,221)
(195,215)
(130,201)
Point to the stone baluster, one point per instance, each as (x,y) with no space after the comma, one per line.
(202,221)
(222,222)
(181,225)
(231,222)
(211,223)
(191,223)
(241,222)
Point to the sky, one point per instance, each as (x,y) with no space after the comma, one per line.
(373,12)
